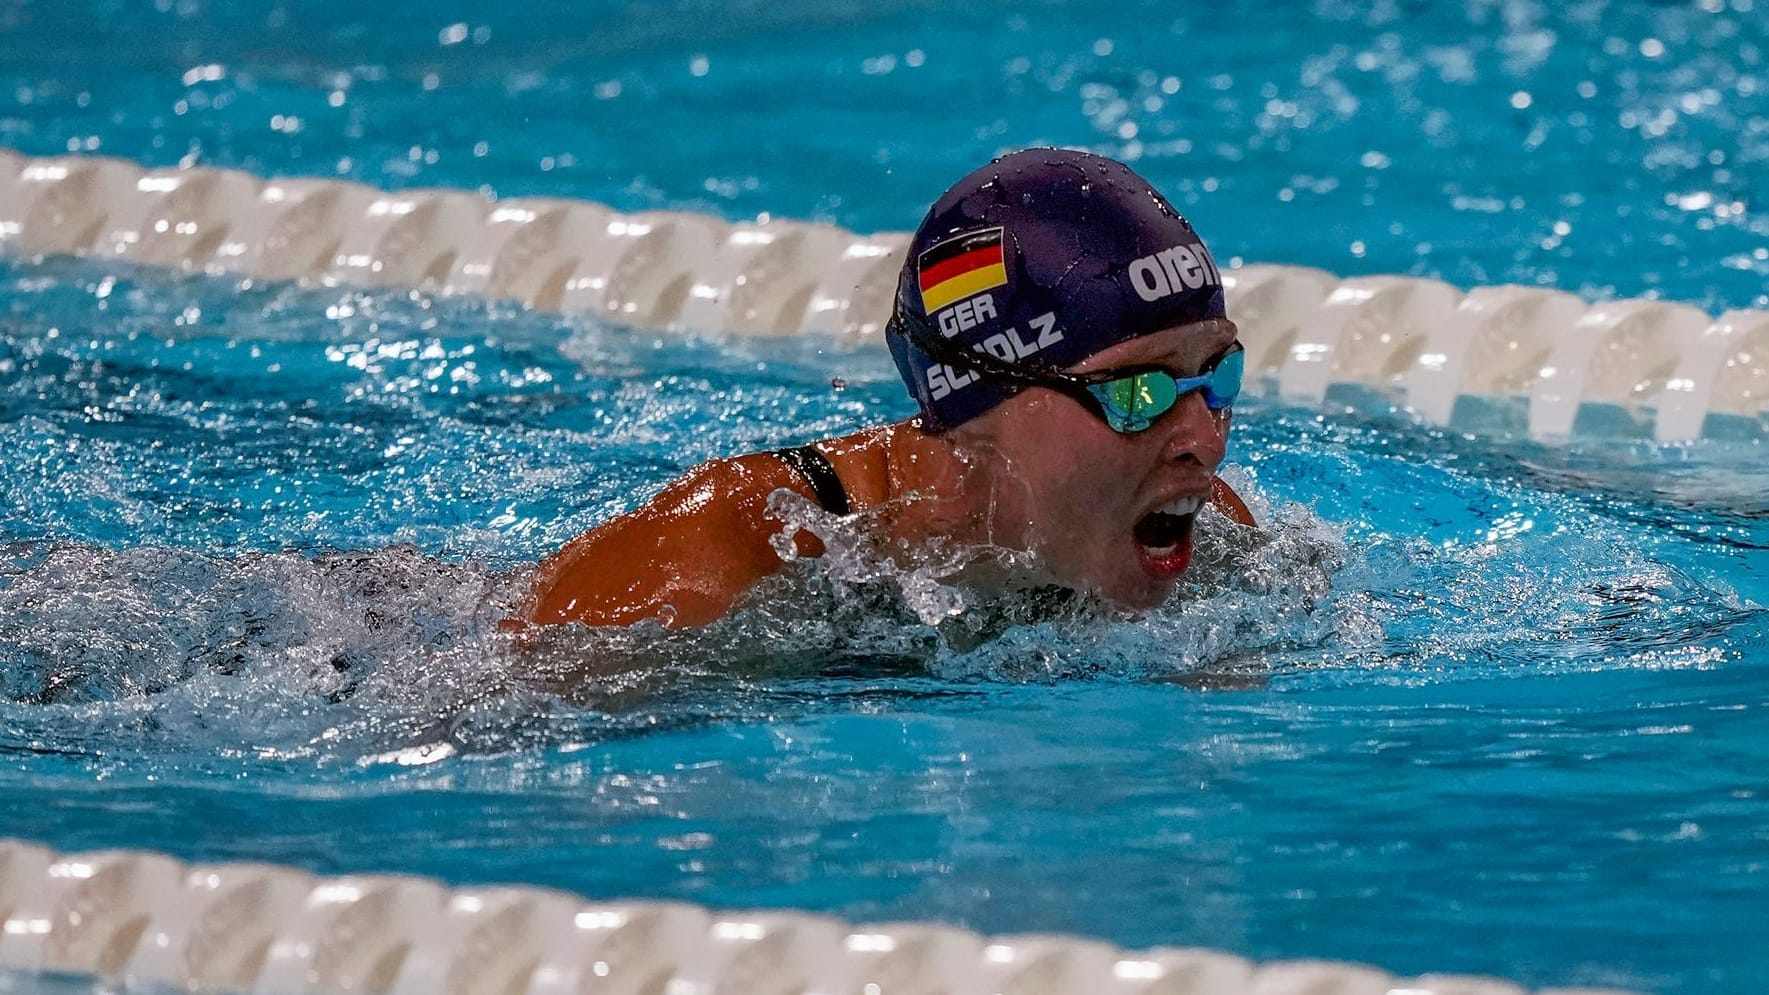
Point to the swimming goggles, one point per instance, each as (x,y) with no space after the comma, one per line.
(1127,398)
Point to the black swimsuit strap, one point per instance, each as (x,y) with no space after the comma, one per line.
(820,474)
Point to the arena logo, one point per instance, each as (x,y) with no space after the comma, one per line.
(1174,271)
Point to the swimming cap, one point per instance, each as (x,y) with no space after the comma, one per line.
(1041,258)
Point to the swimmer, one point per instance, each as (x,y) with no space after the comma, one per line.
(1063,331)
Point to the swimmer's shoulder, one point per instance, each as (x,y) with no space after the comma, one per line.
(861,459)
(682,557)
(858,461)
(690,550)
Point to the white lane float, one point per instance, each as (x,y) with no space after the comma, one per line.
(258,929)
(1646,368)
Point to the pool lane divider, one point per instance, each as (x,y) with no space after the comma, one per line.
(1508,359)
(146,918)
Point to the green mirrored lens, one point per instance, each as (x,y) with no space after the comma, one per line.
(1132,403)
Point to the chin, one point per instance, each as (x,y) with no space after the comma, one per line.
(1146,601)
(1121,585)
(1137,594)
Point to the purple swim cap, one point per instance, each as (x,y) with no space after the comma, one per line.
(1041,258)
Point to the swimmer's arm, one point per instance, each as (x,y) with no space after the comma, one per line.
(683,558)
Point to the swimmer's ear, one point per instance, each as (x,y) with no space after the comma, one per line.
(1229,503)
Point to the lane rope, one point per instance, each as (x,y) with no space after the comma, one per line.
(258,928)
(1505,358)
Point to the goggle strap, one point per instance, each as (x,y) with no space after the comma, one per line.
(923,337)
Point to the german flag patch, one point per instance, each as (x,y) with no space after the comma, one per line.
(961,267)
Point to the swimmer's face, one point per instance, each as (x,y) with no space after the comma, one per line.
(1107,512)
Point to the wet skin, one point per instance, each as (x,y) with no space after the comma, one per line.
(1037,473)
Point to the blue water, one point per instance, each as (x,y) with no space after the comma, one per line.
(1466,704)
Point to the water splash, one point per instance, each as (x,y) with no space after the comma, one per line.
(82,623)
(393,656)
(1248,592)
(853,557)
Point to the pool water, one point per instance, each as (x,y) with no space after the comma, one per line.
(1465,703)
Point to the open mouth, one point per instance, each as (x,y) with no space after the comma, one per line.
(1164,536)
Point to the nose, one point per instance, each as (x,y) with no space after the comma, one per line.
(1195,434)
